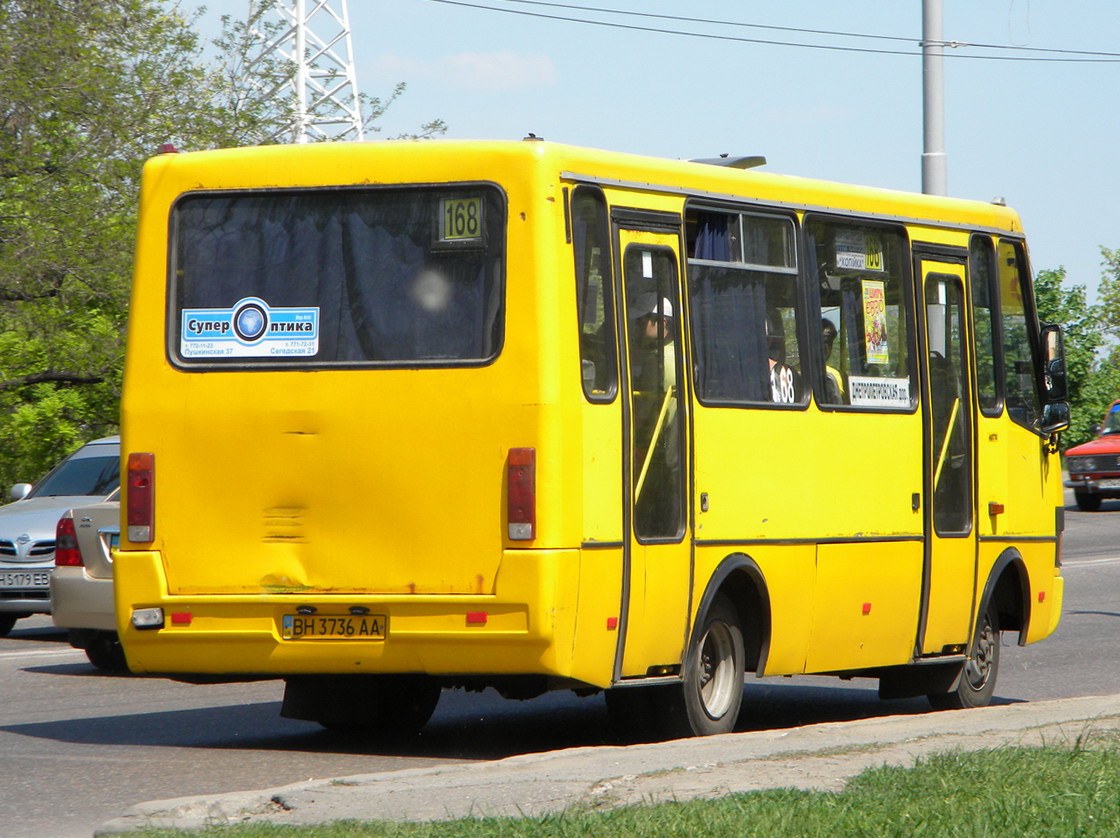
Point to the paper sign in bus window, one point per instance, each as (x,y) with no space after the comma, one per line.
(866,391)
(858,251)
(875,322)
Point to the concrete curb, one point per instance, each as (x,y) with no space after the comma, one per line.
(819,756)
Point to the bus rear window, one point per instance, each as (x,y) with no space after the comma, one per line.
(403,277)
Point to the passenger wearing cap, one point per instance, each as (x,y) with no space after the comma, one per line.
(653,325)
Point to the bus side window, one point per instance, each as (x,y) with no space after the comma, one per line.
(592,252)
(862,274)
(1017,326)
(744,302)
(985,315)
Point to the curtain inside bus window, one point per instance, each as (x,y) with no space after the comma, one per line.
(729,325)
(400,276)
(713,236)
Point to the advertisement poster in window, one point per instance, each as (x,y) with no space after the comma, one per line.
(875,322)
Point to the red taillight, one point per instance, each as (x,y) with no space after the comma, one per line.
(141,498)
(521,490)
(66,552)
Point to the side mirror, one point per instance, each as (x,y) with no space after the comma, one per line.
(1055,417)
(20,491)
(1054,366)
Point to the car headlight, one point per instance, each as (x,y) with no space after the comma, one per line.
(1078,465)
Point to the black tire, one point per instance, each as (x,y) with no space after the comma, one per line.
(7,623)
(381,706)
(105,652)
(977,682)
(1087,502)
(708,700)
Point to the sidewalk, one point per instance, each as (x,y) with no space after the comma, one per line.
(819,756)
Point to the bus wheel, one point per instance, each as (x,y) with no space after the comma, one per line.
(384,706)
(978,675)
(1087,502)
(708,700)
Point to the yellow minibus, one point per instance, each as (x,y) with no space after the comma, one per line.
(406,416)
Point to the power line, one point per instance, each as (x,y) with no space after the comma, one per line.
(1111,58)
(800,30)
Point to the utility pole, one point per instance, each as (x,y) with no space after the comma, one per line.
(315,39)
(935,169)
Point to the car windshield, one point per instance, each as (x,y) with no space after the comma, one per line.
(1112,423)
(95,476)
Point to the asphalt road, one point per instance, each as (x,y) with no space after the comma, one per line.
(79,746)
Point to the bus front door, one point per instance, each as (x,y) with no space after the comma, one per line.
(949,578)
(657,568)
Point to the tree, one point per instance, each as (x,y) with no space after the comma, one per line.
(1109,292)
(1094,381)
(88,91)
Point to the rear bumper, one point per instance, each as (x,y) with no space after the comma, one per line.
(78,601)
(526,627)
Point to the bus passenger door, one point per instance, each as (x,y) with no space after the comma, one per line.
(949,577)
(657,569)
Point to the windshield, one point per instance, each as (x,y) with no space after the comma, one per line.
(1112,423)
(94,476)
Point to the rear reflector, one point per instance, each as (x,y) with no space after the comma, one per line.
(141,496)
(66,552)
(521,486)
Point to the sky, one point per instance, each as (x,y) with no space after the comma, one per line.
(1042,135)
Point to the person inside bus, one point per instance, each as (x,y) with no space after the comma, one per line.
(656,429)
(785,381)
(833,382)
(653,327)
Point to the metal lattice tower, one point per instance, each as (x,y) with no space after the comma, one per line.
(315,39)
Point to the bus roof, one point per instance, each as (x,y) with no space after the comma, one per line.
(431,161)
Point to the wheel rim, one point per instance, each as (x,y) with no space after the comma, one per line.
(978,670)
(717,682)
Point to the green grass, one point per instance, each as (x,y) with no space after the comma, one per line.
(1050,791)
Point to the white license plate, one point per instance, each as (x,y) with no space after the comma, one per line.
(1109,483)
(326,626)
(25,578)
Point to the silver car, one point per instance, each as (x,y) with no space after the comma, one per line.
(27,526)
(82,582)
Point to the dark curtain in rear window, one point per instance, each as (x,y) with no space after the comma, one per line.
(389,284)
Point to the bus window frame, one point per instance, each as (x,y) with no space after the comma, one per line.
(812,284)
(611,341)
(1034,329)
(173,310)
(796,274)
(996,318)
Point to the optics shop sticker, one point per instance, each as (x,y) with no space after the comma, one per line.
(249,329)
